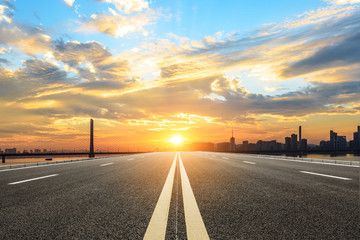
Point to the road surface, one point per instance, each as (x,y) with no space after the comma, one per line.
(186,195)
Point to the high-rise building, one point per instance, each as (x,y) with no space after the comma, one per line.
(356,141)
(333,137)
(299,134)
(341,143)
(287,143)
(337,142)
(303,144)
(293,142)
(232,142)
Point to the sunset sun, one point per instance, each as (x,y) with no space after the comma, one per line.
(177,140)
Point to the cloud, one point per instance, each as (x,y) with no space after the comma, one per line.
(342,2)
(118,25)
(92,61)
(4,61)
(344,53)
(128,6)
(5,14)
(69,2)
(101,85)
(41,71)
(30,40)
(35,77)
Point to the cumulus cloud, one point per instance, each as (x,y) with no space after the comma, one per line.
(127,17)
(342,2)
(116,25)
(41,71)
(5,14)
(69,2)
(92,61)
(344,53)
(128,6)
(30,40)
(34,77)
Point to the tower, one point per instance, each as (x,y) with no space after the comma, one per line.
(299,133)
(91,153)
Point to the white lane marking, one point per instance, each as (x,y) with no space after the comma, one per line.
(325,175)
(157,227)
(302,161)
(224,157)
(249,162)
(106,164)
(195,227)
(130,159)
(55,164)
(33,179)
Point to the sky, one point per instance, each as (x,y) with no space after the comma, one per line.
(147,71)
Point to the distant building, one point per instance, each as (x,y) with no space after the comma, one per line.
(325,145)
(37,151)
(356,141)
(336,142)
(45,150)
(293,142)
(287,144)
(268,146)
(202,146)
(333,137)
(303,145)
(223,147)
(247,147)
(341,143)
(232,142)
(10,150)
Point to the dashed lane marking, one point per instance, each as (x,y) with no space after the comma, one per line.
(32,179)
(325,175)
(249,162)
(106,164)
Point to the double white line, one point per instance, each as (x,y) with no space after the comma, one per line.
(195,227)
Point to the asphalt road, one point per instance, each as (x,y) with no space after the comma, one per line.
(194,195)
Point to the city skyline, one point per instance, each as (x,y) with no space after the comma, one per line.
(294,143)
(147,71)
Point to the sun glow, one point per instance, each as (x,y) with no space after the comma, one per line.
(177,140)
